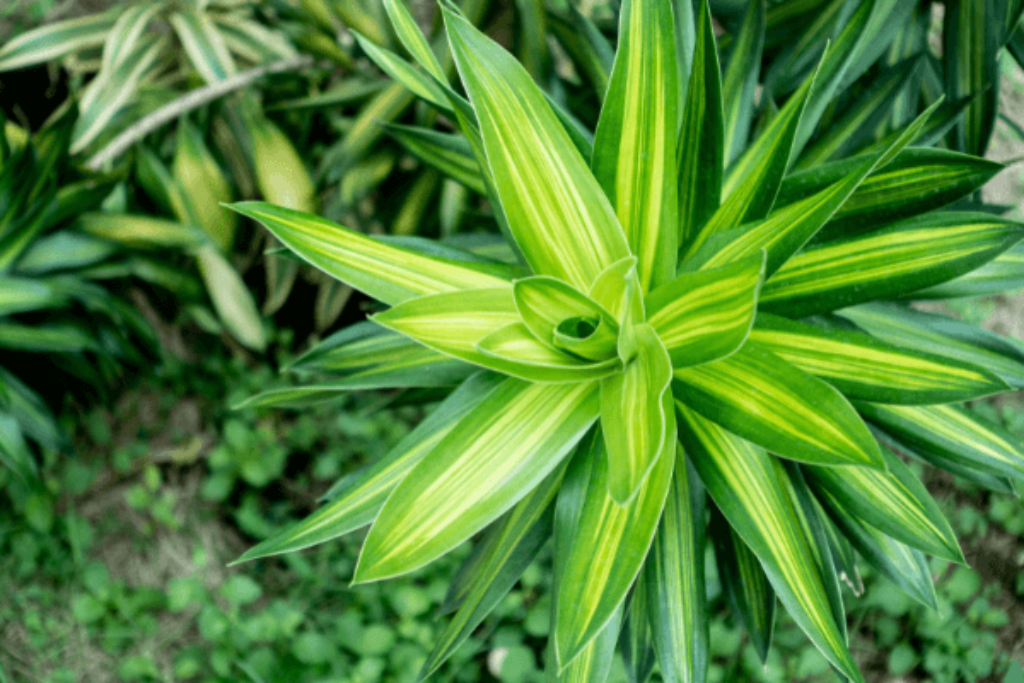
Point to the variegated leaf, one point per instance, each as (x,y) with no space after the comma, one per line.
(744,483)
(360,497)
(496,455)
(867,369)
(388,273)
(637,135)
(757,395)
(557,212)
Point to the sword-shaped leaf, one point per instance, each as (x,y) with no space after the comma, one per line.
(813,521)
(971,44)
(893,502)
(864,368)
(595,661)
(913,254)
(983,478)
(750,595)
(495,455)
(127,32)
(758,396)
(636,415)
(408,32)
(204,45)
(388,273)
(951,433)
(356,502)
(941,336)
(110,92)
(450,154)
(637,135)
(859,123)
(19,295)
(702,139)
(557,212)
(786,231)
(509,547)
(1002,274)
(740,82)
(54,41)
(674,570)
(916,181)
(418,83)
(707,315)
(749,190)
(905,566)
(363,348)
(605,551)
(744,484)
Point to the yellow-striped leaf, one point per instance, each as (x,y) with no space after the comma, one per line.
(111,91)
(204,46)
(746,586)
(744,483)
(674,570)
(702,139)
(388,273)
(786,231)
(231,298)
(361,496)
(859,123)
(941,336)
(951,433)
(893,502)
(508,548)
(740,81)
(758,396)
(54,41)
(813,522)
(1002,274)
(560,218)
(916,181)
(127,32)
(495,455)
(636,415)
(870,370)
(913,254)
(705,316)
(606,550)
(408,32)
(749,190)
(905,566)
(637,135)
(594,662)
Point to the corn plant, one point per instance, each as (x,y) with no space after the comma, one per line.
(696,329)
